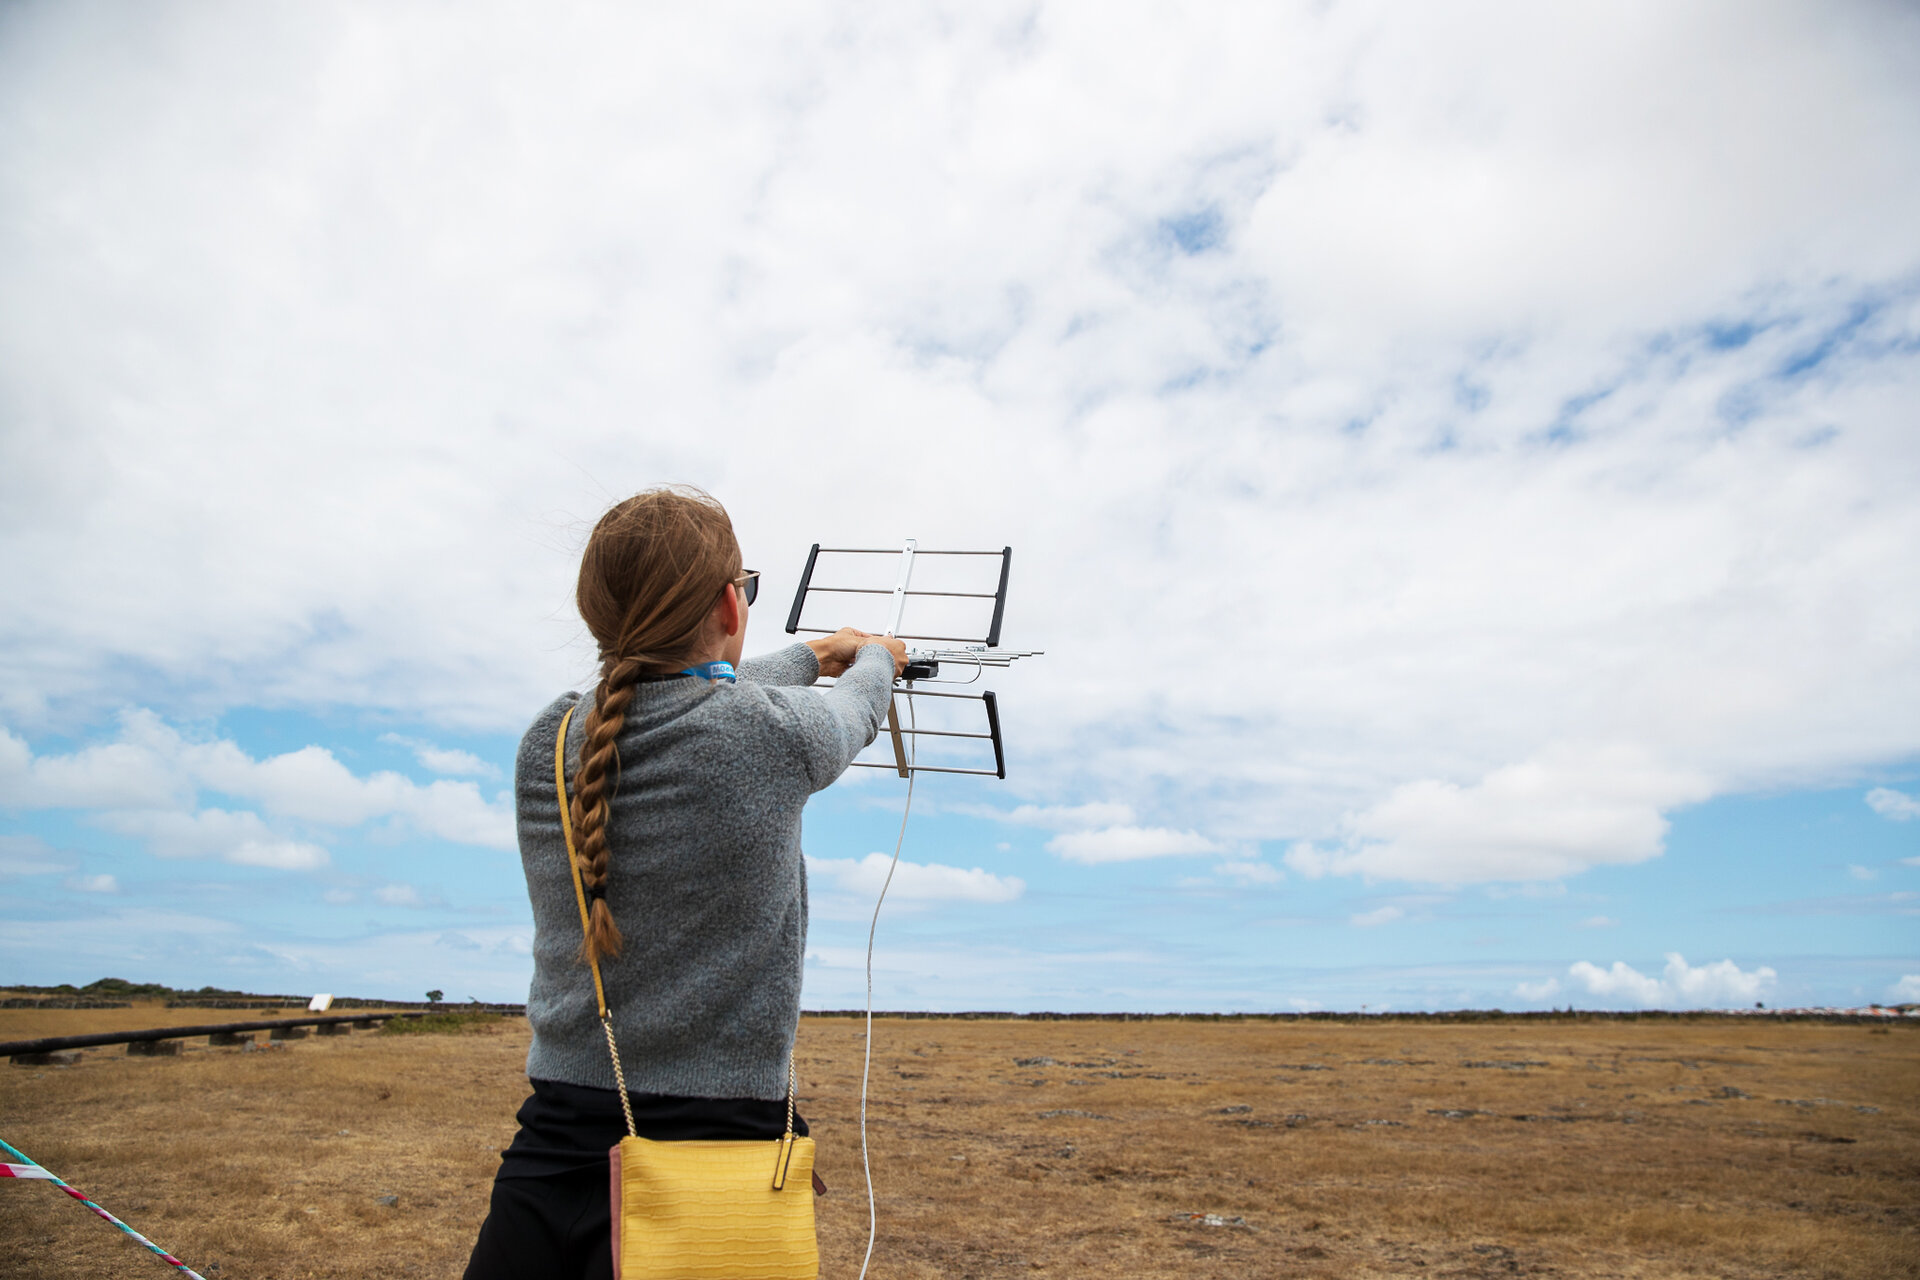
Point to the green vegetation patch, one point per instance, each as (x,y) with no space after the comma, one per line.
(449,1023)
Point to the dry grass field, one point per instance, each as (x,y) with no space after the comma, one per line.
(1574,1149)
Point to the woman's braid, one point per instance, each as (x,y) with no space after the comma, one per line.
(593,797)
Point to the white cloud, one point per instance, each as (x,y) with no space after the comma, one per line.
(115,775)
(1251,872)
(312,785)
(1128,844)
(398,895)
(1896,805)
(453,761)
(1306,286)
(1102,832)
(1527,890)
(1680,985)
(152,766)
(1536,992)
(1622,981)
(1554,816)
(1907,990)
(916,881)
(1308,860)
(1063,817)
(1377,916)
(1859,872)
(447,760)
(24,855)
(147,782)
(239,837)
(1599,922)
(94,884)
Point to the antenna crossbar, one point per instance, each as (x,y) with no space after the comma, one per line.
(887,591)
(935,693)
(898,635)
(947,733)
(894,551)
(903,590)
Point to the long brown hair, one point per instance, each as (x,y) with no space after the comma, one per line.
(648,579)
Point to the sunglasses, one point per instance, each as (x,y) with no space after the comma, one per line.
(749,584)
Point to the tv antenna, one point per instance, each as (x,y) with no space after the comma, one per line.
(952,611)
(970,652)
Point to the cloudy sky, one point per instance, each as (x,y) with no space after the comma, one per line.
(1460,462)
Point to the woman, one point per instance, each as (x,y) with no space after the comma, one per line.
(686,788)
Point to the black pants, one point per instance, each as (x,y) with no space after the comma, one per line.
(555,1227)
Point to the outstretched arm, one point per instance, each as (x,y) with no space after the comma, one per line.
(793,665)
(835,725)
(830,656)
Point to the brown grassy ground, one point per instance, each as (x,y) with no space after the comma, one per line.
(1360,1149)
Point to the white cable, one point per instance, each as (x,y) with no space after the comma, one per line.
(873,1217)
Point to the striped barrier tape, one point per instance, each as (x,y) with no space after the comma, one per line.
(28,1169)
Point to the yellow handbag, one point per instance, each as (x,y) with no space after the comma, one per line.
(739,1210)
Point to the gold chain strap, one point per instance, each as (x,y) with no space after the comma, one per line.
(599,988)
(620,1077)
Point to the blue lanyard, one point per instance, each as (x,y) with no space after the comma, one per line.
(711,671)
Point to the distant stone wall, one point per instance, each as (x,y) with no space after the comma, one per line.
(39,1002)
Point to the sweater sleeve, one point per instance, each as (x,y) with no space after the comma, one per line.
(835,725)
(793,665)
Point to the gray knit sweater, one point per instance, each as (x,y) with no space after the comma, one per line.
(706,879)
